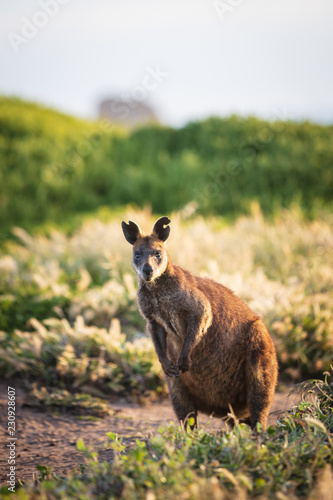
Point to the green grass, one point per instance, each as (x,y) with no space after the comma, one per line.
(291,460)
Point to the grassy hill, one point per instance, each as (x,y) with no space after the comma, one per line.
(53,165)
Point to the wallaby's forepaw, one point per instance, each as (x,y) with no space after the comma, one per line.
(184,363)
(170,369)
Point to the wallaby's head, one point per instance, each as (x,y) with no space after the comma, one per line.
(150,257)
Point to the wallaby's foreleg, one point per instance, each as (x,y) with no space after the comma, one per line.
(158,334)
(197,326)
(182,405)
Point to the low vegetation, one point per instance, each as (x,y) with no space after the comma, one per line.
(291,460)
(68,303)
(83,405)
(90,359)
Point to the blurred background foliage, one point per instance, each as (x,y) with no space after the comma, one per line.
(253,197)
(53,165)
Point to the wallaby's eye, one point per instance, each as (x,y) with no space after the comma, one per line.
(158,254)
(137,255)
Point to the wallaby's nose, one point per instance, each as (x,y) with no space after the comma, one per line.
(147,270)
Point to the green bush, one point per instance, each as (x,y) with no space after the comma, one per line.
(52,165)
(15,311)
(56,354)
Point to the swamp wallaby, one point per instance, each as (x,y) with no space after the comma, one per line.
(215,351)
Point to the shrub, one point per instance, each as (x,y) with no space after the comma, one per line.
(80,356)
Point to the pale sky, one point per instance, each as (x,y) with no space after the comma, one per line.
(260,57)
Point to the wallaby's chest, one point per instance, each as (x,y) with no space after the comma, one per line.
(165,309)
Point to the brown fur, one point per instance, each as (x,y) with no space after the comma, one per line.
(215,351)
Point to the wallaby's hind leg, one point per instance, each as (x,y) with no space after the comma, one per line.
(181,403)
(259,404)
(262,371)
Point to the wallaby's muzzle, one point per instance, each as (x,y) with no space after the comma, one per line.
(147,271)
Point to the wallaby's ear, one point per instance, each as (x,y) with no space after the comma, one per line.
(161,232)
(131,231)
